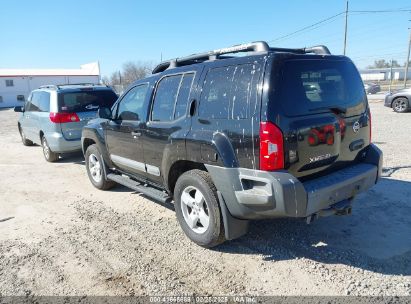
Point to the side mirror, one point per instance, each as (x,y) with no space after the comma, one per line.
(104,113)
(19,109)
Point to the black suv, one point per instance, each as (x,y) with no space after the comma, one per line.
(228,139)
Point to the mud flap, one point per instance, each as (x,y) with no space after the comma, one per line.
(233,227)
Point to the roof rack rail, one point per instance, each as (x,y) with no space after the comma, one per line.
(258,46)
(49,86)
(58,86)
(318,50)
(80,84)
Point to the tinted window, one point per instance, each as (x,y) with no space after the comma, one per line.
(166,94)
(33,106)
(215,98)
(131,107)
(86,100)
(183,96)
(243,88)
(44,102)
(309,86)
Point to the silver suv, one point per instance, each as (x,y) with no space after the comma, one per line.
(54,115)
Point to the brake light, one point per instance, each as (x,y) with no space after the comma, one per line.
(63,117)
(271,147)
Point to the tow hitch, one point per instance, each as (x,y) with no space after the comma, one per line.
(341,208)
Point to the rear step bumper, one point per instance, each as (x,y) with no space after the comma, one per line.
(254,194)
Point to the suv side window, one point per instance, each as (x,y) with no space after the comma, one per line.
(243,89)
(165,98)
(27,104)
(227,92)
(183,95)
(215,98)
(131,106)
(44,102)
(34,103)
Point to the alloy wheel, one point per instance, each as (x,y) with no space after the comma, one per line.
(195,209)
(94,166)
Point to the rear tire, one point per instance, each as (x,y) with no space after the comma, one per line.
(24,140)
(400,105)
(197,208)
(97,169)
(49,155)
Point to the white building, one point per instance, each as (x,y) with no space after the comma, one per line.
(16,84)
(384,74)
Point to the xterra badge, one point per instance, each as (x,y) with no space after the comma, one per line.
(319,157)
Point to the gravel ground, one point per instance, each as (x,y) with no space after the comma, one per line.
(61,236)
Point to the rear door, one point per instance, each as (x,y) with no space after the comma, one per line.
(169,122)
(84,103)
(26,122)
(124,132)
(41,118)
(324,114)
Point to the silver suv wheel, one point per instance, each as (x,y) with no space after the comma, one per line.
(95,168)
(195,209)
(46,149)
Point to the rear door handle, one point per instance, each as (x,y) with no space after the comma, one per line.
(136,133)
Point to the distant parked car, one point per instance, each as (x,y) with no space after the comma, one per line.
(372,88)
(54,115)
(399,101)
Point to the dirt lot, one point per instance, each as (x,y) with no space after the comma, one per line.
(61,236)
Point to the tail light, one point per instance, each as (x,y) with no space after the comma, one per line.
(271,147)
(63,117)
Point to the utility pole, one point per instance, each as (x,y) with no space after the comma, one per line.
(390,77)
(407,63)
(346,26)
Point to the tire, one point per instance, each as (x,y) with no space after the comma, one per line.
(24,140)
(97,169)
(197,208)
(400,104)
(49,155)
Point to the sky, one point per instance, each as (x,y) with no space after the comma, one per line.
(61,34)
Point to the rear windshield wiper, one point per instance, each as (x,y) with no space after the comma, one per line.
(334,109)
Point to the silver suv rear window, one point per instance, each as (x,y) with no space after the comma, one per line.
(85,100)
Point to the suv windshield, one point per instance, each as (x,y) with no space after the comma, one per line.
(313,85)
(86,100)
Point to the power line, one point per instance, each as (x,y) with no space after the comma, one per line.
(382,11)
(315,25)
(307,27)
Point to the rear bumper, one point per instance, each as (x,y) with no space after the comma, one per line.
(254,194)
(59,144)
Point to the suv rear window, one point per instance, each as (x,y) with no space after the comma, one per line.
(312,86)
(85,101)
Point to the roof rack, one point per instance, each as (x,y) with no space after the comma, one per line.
(80,84)
(49,86)
(58,86)
(258,47)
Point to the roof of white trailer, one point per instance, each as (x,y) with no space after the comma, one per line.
(89,69)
